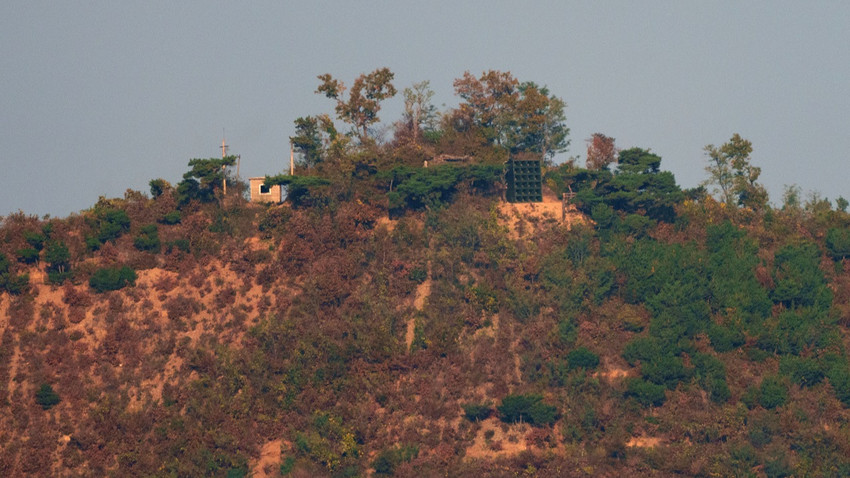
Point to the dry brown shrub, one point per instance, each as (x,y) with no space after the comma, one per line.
(21,311)
(269,274)
(164,346)
(764,277)
(182,307)
(76,314)
(265,303)
(142,260)
(109,254)
(116,303)
(76,297)
(540,437)
(198,279)
(225,297)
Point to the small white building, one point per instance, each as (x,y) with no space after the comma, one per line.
(263,193)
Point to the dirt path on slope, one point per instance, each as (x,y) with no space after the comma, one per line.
(423,290)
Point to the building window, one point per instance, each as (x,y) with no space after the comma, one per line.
(265,189)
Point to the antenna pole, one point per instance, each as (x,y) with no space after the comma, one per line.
(223,167)
(291,160)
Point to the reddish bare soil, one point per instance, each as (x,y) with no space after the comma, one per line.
(644,442)
(269,460)
(500,443)
(522,218)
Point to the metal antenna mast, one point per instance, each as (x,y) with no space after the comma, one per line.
(223,167)
(224,146)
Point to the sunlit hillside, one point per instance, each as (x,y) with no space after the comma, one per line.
(391,319)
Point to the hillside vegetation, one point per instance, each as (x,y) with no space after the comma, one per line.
(394,320)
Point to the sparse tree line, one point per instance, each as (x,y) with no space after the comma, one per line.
(498,116)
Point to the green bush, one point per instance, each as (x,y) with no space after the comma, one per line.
(14,284)
(418,275)
(35,239)
(389,459)
(287,466)
(798,278)
(159,186)
(725,338)
(148,239)
(477,411)
(56,278)
(46,397)
(182,245)
(567,332)
(27,255)
(666,370)
(147,243)
(527,408)
(750,398)
(839,378)
(418,188)
(92,243)
(109,278)
(171,218)
(113,223)
(646,393)
(603,216)
(238,472)
(637,225)
(582,358)
(712,376)
(514,408)
(718,390)
(643,349)
(838,243)
(772,393)
(58,260)
(760,433)
(540,414)
(805,372)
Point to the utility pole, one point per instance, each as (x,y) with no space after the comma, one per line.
(291,160)
(223,167)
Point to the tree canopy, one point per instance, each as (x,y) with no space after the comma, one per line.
(518,116)
(205,177)
(601,151)
(361,107)
(733,175)
(419,113)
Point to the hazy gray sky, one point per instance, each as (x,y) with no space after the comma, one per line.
(101,96)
